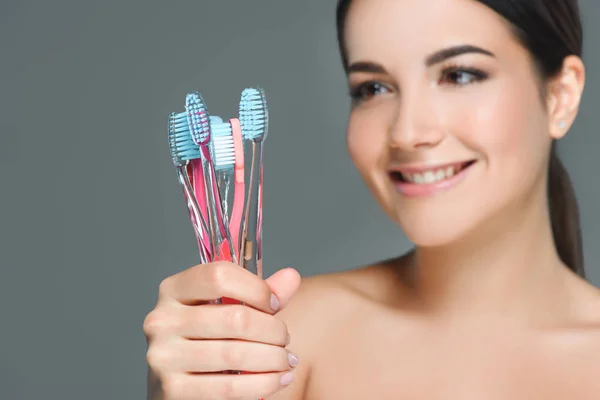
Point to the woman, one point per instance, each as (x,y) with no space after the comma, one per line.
(456,106)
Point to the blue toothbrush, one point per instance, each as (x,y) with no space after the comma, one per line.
(183,150)
(254,120)
(200,129)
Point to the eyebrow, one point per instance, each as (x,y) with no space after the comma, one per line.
(435,58)
(444,54)
(366,66)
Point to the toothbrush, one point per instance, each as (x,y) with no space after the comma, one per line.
(200,128)
(228,151)
(254,120)
(217,153)
(198,121)
(240,186)
(183,150)
(221,148)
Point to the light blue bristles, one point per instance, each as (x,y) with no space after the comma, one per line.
(197,116)
(183,148)
(222,147)
(254,115)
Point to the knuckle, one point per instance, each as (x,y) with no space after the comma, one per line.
(231,356)
(238,320)
(156,322)
(217,273)
(158,358)
(163,287)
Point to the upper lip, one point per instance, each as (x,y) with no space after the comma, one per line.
(420,168)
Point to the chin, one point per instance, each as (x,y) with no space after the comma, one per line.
(435,225)
(431,237)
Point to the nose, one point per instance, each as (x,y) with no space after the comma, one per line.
(416,123)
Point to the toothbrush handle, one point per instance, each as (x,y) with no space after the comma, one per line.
(239,193)
(259,207)
(198,222)
(247,218)
(199,193)
(259,218)
(251,241)
(202,249)
(220,238)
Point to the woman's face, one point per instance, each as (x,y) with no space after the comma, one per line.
(448,127)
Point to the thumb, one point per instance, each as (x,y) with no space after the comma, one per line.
(284,284)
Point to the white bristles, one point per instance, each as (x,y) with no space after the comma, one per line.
(223,150)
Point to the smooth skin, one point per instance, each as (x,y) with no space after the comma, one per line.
(483,308)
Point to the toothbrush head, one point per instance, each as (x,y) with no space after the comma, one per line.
(197,117)
(181,145)
(254,116)
(222,148)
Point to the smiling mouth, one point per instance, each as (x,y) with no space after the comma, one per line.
(429,176)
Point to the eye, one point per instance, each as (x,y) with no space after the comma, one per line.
(459,76)
(366,90)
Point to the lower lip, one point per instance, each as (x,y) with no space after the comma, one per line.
(409,189)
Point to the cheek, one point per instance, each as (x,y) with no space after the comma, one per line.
(504,129)
(366,141)
(506,126)
(367,145)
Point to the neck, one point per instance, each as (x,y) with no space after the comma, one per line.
(508,270)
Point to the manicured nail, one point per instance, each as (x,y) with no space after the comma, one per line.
(274,303)
(293,359)
(287,378)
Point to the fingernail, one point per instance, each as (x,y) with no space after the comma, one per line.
(287,378)
(274,303)
(293,359)
(288,339)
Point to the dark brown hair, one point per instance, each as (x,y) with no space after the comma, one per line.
(550,31)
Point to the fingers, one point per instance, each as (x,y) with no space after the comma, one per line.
(205,356)
(190,342)
(223,387)
(284,283)
(219,279)
(231,322)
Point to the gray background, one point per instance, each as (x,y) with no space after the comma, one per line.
(92,217)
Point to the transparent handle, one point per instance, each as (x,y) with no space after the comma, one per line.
(251,232)
(198,223)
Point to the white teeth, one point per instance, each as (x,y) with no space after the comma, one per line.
(429,177)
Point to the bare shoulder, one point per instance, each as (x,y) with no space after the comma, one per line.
(323,306)
(586,309)
(324,300)
(578,342)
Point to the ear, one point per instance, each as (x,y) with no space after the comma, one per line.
(564,96)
